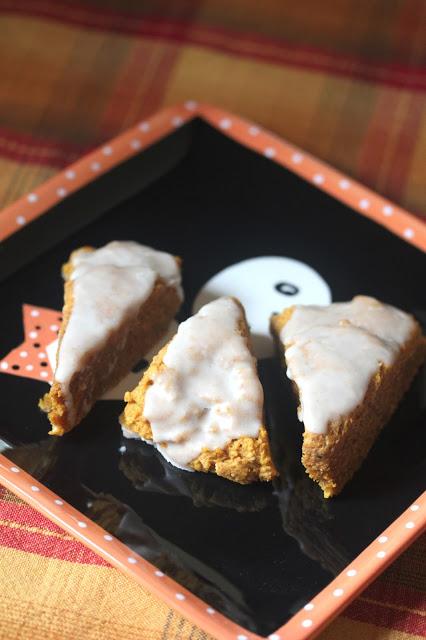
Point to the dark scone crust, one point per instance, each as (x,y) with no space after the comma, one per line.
(127,345)
(332,458)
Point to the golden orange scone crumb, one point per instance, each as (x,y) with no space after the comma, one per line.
(68,267)
(53,402)
(243,460)
(278,321)
(132,418)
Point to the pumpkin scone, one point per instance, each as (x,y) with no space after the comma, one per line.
(350,364)
(118,303)
(200,402)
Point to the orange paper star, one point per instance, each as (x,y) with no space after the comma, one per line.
(30,359)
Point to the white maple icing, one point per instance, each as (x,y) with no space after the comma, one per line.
(208,392)
(120,253)
(332,353)
(109,284)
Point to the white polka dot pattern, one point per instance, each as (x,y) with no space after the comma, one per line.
(297,158)
(269,152)
(177,121)
(324,179)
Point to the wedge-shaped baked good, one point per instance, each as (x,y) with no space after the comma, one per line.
(201,402)
(119,301)
(350,364)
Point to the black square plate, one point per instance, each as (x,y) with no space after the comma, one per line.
(255,553)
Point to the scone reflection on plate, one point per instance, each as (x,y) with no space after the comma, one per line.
(123,522)
(308,518)
(149,472)
(37,458)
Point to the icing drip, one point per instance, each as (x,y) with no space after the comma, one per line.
(129,254)
(332,353)
(207,392)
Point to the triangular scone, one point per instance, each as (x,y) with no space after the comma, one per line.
(201,402)
(350,364)
(119,301)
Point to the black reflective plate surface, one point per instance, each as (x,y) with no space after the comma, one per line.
(257,553)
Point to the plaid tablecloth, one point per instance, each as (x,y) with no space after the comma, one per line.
(345,80)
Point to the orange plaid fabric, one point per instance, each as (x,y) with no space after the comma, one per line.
(53,587)
(341,80)
(345,81)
